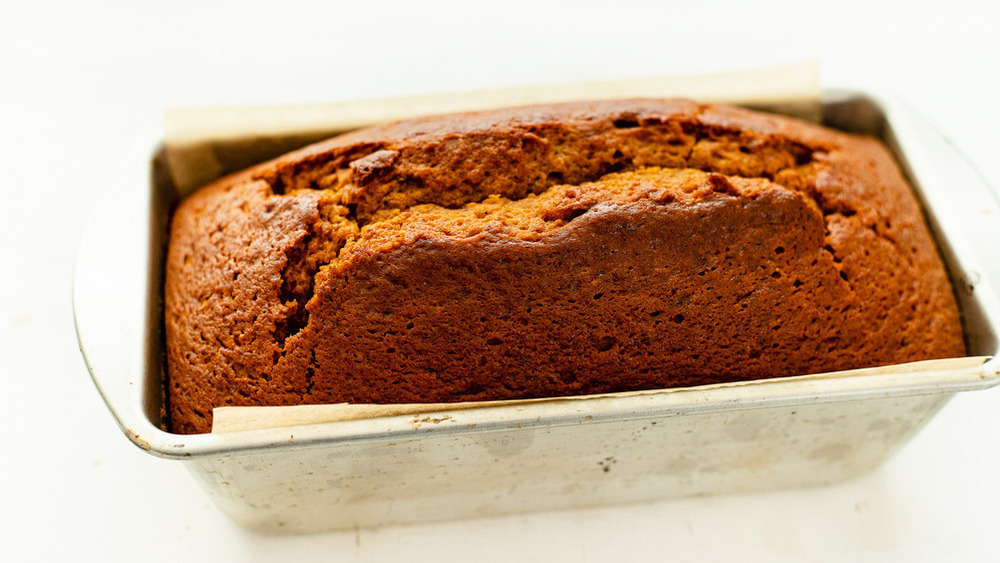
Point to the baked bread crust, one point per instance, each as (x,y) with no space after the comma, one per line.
(550,250)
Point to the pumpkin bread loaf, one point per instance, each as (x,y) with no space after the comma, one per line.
(547,251)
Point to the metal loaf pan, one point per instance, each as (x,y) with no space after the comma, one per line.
(479,462)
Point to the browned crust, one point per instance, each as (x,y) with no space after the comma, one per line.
(561,249)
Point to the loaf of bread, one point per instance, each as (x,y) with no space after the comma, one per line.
(549,251)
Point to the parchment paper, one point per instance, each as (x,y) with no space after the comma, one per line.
(232,419)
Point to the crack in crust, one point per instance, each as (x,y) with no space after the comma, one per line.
(374,182)
(455,170)
(333,228)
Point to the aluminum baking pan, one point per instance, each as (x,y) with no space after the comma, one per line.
(773,433)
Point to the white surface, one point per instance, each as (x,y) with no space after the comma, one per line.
(81,81)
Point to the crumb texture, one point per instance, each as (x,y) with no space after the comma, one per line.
(545,251)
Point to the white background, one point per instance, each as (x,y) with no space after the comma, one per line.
(82,81)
